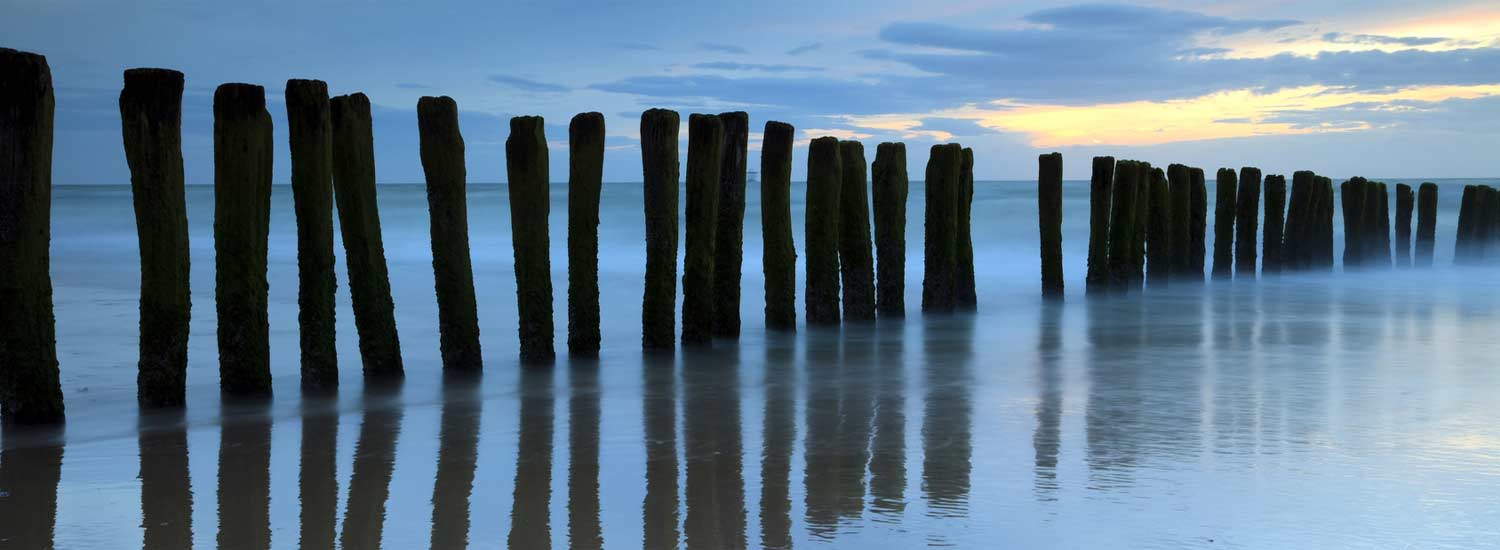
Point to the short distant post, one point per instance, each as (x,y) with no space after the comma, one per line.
(1405,200)
(1275,205)
(1427,197)
(1225,196)
(856,261)
(660,174)
(824,183)
(729,236)
(530,204)
(1122,225)
(442,151)
(1049,223)
(364,250)
(944,164)
(1246,222)
(779,253)
(705,147)
(242,218)
(1159,240)
(965,296)
(888,190)
(1100,192)
(310,133)
(585,179)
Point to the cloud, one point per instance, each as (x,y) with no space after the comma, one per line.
(808,95)
(799,50)
(1379,40)
(722,48)
(527,85)
(1116,17)
(954,126)
(770,68)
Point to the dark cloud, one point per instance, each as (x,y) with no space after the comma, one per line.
(764,67)
(1375,39)
(794,94)
(527,85)
(1120,17)
(722,48)
(799,50)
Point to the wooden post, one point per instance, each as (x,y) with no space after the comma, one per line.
(1122,225)
(585,179)
(530,203)
(856,262)
(888,192)
(1159,241)
(1323,209)
(1246,222)
(442,151)
(705,149)
(242,217)
(29,389)
(1463,241)
(1142,223)
(1427,197)
(151,122)
(778,252)
(1297,241)
(1225,196)
(1198,224)
(1275,205)
(1049,223)
(1405,200)
(1179,184)
(940,241)
(824,182)
(1481,228)
(364,250)
(1100,191)
(729,236)
(1351,199)
(310,133)
(965,295)
(1382,242)
(660,170)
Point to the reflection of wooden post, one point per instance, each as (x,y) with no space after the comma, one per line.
(1271,250)
(944,164)
(1405,200)
(888,191)
(1097,278)
(729,236)
(856,262)
(964,294)
(824,182)
(310,133)
(359,222)
(442,150)
(1049,223)
(1159,241)
(659,167)
(1427,197)
(530,204)
(151,121)
(1246,222)
(29,387)
(242,218)
(1122,225)
(1197,225)
(1225,196)
(779,253)
(585,178)
(705,147)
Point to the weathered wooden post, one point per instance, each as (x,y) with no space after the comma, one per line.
(1225,196)
(585,179)
(527,174)
(856,261)
(1351,200)
(1100,191)
(359,222)
(1463,240)
(729,247)
(1405,200)
(30,392)
(1122,225)
(1382,227)
(151,122)
(1179,184)
(660,171)
(824,183)
(1480,228)
(888,191)
(1159,243)
(310,133)
(705,147)
(1323,209)
(1297,240)
(1198,226)
(778,252)
(1271,235)
(1427,197)
(1142,221)
(1049,223)
(442,151)
(941,229)
(242,218)
(965,295)
(1247,210)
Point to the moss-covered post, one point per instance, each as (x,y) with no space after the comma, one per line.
(30,392)
(729,236)
(940,240)
(965,295)
(1246,222)
(364,250)
(824,183)
(151,123)
(778,252)
(1049,223)
(530,204)
(1271,235)
(1427,197)
(1225,196)
(1122,225)
(888,192)
(1179,184)
(1100,191)
(242,218)
(585,179)
(705,147)
(856,261)
(442,151)
(1159,241)
(659,166)
(1198,224)
(310,133)
(1463,239)
(1405,200)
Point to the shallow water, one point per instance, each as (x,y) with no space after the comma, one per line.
(1309,411)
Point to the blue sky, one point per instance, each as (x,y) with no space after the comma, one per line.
(1383,89)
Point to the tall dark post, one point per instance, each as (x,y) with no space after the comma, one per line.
(364,250)
(530,204)
(856,261)
(1270,246)
(824,183)
(1225,196)
(1296,240)
(151,121)
(659,186)
(888,191)
(442,151)
(1179,182)
(1382,227)
(1351,203)
(29,389)
(705,147)
(310,133)
(944,165)
(1369,225)
(1159,240)
(1427,197)
(778,252)
(1323,211)
(1049,223)
(964,293)
(1142,220)
(1197,225)
(1246,222)
(585,179)
(1097,278)
(1122,225)
(1463,239)
(1405,200)
(729,236)
(242,219)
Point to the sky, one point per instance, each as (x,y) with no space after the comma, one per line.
(1379,88)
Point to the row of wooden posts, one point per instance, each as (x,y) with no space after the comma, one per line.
(333,168)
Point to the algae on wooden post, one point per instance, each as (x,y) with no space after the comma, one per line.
(1049,223)
(1247,210)
(729,237)
(941,229)
(1427,197)
(778,252)
(1159,240)
(527,173)
(888,192)
(151,123)
(585,178)
(1198,224)
(705,147)
(1405,200)
(310,133)
(965,295)
(1100,192)
(1122,224)
(30,392)
(824,183)
(1271,235)
(659,167)
(359,222)
(1225,196)
(856,261)
(442,152)
(242,218)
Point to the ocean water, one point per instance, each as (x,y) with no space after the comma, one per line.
(1344,410)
